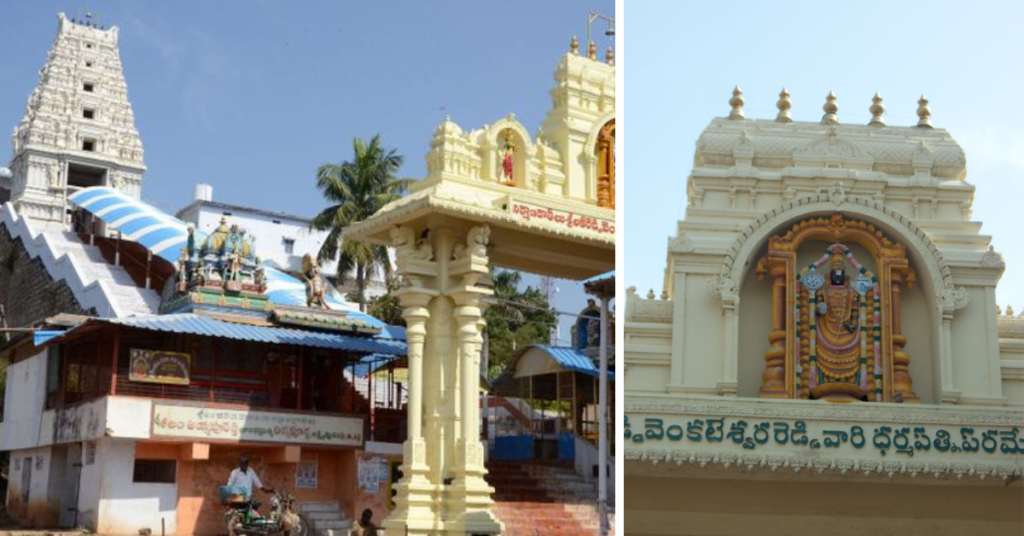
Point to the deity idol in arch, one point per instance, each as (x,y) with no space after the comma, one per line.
(828,339)
(508,150)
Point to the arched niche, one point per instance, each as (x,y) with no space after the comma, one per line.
(605,151)
(589,156)
(756,302)
(512,131)
(931,302)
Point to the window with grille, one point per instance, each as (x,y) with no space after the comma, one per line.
(154,471)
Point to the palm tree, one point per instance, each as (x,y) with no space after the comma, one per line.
(357,189)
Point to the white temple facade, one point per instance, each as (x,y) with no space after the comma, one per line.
(824,262)
(78,129)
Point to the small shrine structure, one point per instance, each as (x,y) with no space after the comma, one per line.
(494,196)
(828,317)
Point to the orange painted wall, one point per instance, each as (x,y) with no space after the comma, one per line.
(200,513)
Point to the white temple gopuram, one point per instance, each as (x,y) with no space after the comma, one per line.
(826,355)
(78,129)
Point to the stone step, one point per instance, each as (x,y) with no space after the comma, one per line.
(331,524)
(330,506)
(313,517)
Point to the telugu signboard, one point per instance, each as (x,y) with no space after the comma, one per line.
(200,423)
(158,366)
(529,212)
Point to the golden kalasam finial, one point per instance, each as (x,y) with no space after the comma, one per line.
(830,108)
(784,105)
(610,56)
(592,51)
(877,109)
(574,46)
(737,104)
(924,112)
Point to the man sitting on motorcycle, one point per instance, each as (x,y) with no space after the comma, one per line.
(244,477)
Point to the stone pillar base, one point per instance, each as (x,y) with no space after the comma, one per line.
(470,495)
(414,502)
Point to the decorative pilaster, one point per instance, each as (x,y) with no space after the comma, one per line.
(470,493)
(415,506)
(902,383)
(773,380)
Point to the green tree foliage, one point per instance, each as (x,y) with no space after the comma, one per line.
(355,190)
(516,319)
(387,308)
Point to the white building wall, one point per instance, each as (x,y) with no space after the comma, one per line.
(24,400)
(270,233)
(127,507)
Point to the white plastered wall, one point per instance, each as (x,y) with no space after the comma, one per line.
(124,506)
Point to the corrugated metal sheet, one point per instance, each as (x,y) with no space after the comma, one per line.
(572,359)
(195,324)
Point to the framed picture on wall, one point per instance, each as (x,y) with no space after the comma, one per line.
(306,473)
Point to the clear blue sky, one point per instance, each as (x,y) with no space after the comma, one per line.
(253,96)
(682,59)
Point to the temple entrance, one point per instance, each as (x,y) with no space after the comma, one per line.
(444,256)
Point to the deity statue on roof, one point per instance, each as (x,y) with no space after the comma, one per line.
(314,283)
(226,258)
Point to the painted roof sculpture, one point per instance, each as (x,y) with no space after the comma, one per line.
(165,236)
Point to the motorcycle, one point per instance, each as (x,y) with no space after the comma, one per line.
(243,519)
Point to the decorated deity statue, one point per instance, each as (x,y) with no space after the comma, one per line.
(183,271)
(508,150)
(828,339)
(314,283)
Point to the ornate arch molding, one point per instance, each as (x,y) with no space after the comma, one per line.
(588,157)
(494,131)
(727,284)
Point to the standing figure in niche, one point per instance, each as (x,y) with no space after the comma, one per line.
(835,301)
(508,151)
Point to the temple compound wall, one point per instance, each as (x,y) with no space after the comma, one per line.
(28,293)
(827,330)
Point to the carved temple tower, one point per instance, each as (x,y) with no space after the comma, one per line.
(78,129)
(828,316)
(493,196)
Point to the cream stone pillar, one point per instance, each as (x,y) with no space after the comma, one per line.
(471,494)
(414,512)
(443,490)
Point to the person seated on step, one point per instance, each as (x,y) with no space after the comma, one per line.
(245,477)
(365,526)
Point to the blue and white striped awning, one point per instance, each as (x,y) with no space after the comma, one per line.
(165,235)
(137,221)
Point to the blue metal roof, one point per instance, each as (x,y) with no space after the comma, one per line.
(571,359)
(165,235)
(195,324)
(600,277)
